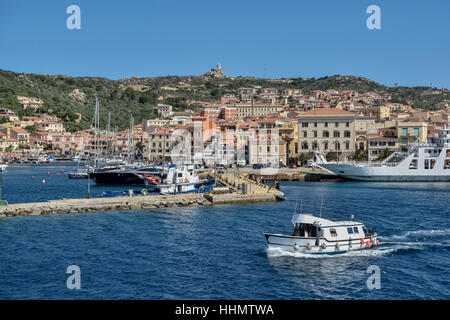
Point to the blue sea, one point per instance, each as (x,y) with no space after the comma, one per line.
(219,252)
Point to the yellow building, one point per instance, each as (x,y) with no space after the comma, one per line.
(410,133)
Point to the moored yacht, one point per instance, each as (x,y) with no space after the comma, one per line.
(314,235)
(428,162)
(181,179)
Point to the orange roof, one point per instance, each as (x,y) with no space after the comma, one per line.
(326,112)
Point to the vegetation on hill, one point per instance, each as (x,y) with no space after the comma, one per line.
(66,96)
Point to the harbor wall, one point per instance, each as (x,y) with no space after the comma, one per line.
(130,203)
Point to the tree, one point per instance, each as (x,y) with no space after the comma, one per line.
(302,158)
(139,149)
(358,155)
(31,128)
(331,156)
(384,154)
(9,148)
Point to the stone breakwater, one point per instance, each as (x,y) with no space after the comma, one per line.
(130,203)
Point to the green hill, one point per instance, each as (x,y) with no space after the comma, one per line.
(64,96)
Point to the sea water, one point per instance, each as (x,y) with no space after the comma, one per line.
(219,252)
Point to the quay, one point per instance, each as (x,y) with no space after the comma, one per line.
(238,189)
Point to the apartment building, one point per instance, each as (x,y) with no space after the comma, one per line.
(327,130)
(410,133)
(265,149)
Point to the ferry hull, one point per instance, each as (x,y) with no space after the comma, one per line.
(383,174)
(311,246)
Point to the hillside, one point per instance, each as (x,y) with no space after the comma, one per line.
(65,96)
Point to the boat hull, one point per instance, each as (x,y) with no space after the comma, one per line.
(323,246)
(383,174)
(117,178)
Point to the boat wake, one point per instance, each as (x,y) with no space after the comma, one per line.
(374,252)
(416,234)
(412,241)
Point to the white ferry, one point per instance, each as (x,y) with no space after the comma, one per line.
(423,162)
(313,235)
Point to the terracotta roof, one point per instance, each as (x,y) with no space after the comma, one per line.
(325,112)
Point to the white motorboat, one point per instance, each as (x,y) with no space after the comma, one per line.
(428,162)
(3,167)
(179,180)
(314,235)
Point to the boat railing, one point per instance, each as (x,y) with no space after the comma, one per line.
(372,164)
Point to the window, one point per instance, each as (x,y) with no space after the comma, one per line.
(336,134)
(347,134)
(337,145)
(333,232)
(305,134)
(326,124)
(416,131)
(304,124)
(326,134)
(355,230)
(315,134)
(350,230)
(336,124)
(347,145)
(315,124)
(325,145)
(347,124)
(404,131)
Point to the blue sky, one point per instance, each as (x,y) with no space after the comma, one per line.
(283,38)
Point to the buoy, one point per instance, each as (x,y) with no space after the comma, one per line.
(32,177)
(48,172)
(57,174)
(62,171)
(308,246)
(362,241)
(43,181)
(377,242)
(369,244)
(296,247)
(324,246)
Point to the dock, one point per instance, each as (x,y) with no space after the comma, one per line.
(240,189)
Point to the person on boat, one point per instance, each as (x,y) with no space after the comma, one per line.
(365,230)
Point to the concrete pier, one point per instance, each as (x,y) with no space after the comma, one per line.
(258,193)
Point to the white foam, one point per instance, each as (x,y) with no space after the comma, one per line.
(405,235)
(374,251)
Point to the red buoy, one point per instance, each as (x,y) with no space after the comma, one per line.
(57,174)
(62,171)
(368,244)
(48,172)
(32,177)
(362,241)
(377,242)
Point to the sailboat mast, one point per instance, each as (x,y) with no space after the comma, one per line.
(164,150)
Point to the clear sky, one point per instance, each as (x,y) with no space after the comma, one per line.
(283,38)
